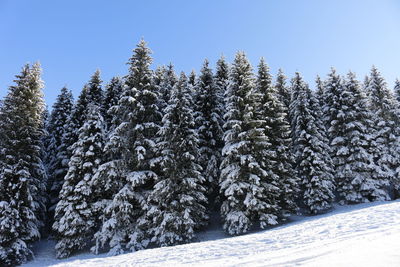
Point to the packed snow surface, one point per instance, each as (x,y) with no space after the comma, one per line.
(359,235)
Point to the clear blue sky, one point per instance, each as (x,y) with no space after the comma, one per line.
(72,38)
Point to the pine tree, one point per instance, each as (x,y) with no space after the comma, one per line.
(312,159)
(91,94)
(58,122)
(192,83)
(134,141)
(386,138)
(47,146)
(320,92)
(331,107)
(277,129)
(192,78)
(381,98)
(63,155)
(282,89)
(158,81)
(397,90)
(177,205)
(48,152)
(208,118)
(75,216)
(221,80)
(365,87)
(166,86)
(113,92)
(158,77)
(22,176)
(244,180)
(94,89)
(352,152)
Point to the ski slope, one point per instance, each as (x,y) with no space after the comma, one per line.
(359,235)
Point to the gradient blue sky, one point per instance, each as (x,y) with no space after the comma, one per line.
(72,38)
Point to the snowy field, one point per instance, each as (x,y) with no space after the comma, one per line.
(359,235)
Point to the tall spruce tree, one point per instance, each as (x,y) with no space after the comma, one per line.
(386,138)
(91,94)
(353,158)
(112,94)
(47,148)
(22,176)
(158,81)
(282,89)
(221,80)
(177,205)
(158,77)
(75,215)
(134,141)
(208,116)
(49,151)
(245,181)
(311,151)
(192,83)
(320,92)
(166,86)
(331,106)
(365,86)
(57,127)
(396,90)
(277,129)
(192,79)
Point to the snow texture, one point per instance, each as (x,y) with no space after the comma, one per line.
(360,235)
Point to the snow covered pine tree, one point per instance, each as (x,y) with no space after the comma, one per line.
(91,94)
(22,177)
(112,94)
(386,137)
(57,127)
(244,180)
(353,155)
(320,93)
(177,205)
(310,148)
(396,90)
(75,216)
(133,167)
(208,118)
(221,80)
(277,129)
(165,88)
(282,89)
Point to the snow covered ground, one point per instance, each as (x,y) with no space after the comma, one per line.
(359,235)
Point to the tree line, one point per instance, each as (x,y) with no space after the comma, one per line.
(146,159)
